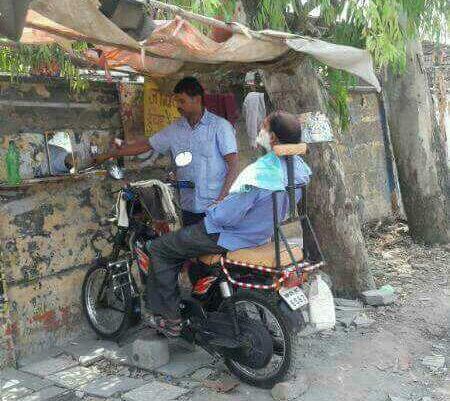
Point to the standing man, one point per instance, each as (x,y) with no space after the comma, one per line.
(210,139)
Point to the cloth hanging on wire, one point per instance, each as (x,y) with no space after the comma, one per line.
(224,105)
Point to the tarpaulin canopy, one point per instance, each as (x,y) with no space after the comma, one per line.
(177,46)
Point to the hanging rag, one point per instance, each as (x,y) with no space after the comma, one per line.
(223,105)
(254,110)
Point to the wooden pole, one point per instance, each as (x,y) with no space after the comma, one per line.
(212,22)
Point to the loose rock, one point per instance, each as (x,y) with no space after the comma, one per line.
(383,296)
(362,320)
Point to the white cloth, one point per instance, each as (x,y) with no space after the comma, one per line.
(254,109)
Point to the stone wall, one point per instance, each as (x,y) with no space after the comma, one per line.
(363,152)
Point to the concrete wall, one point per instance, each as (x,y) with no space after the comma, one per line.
(47,229)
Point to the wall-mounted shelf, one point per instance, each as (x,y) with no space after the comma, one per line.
(54,179)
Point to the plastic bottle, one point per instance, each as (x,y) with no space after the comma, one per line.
(321,305)
(13,164)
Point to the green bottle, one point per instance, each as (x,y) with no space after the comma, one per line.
(13,164)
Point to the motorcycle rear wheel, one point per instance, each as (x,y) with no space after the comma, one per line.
(108,311)
(286,341)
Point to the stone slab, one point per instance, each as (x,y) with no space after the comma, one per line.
(352,303)
(74,378)
(434,361)
(394,398)
(48,367)
(89,351)
(148,352)
(14,393)
(184,363)
(206,394)
(290,390)
(107,387)
(155,391)
(52,352)
(50,394)
(12,377)
(202,374)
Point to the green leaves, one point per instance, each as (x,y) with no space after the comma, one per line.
(51,59)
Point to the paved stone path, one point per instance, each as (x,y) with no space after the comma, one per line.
(92,370)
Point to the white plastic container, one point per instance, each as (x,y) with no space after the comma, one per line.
(321,305)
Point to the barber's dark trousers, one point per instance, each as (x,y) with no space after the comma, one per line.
(190,218)
(162,296)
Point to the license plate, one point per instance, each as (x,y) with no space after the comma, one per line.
(294,297)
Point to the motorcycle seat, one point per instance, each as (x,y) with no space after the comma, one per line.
(263,255)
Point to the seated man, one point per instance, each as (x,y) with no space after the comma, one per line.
(242,220)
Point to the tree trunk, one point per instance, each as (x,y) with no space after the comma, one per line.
(331,207)
(418,150)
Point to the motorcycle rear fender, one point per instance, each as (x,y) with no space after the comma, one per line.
(297,319)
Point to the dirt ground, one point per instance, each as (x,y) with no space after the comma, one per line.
(385,360)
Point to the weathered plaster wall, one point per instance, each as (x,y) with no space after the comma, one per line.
(50,234)
(47,230)
(363,153)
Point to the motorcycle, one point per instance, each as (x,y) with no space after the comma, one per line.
(248,306)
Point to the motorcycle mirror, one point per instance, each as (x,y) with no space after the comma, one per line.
(183,159)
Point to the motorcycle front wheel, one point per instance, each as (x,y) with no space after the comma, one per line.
(107,306)
(263,308)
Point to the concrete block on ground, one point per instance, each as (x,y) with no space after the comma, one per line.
(14,393)
(148,352)
(50,394)
(11,377)
(383,296)
(434,361)
(106,387)
(49,366)
(74,378)
(290,390)
(89,351)
(184,363)
(155,391)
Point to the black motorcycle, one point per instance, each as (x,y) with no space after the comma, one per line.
(247,307)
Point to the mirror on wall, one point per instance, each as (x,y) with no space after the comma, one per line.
(60,153)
